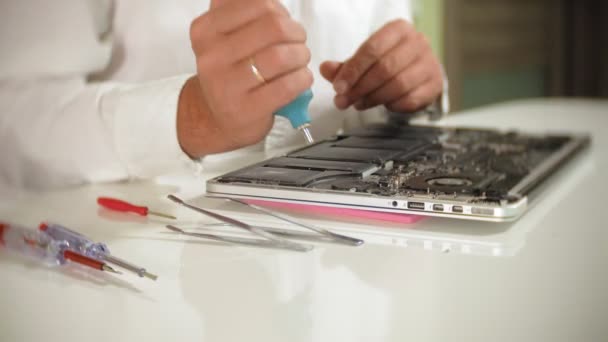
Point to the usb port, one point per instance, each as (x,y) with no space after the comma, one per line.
(415,205)
(457,209)
(438,207)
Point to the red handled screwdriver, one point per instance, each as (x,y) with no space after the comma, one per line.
(126,207)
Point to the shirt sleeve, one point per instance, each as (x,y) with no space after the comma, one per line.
(59,129)
(59,132)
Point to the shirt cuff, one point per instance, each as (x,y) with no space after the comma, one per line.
(145,128)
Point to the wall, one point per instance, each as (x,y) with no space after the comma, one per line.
(500,50)
(428,15)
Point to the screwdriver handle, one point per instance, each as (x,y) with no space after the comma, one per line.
(122,206)
(84,246)
(76,241)
(32,243)
(297,111)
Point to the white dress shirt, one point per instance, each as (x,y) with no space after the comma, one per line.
(89,88)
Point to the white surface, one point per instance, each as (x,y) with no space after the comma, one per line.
(543,278)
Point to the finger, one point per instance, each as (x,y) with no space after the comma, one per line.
(393,63)
(270,4)
(217,3)
(369,53)
(229,15)
(273,62)
(330,69)
(281,91)
(258,35)
(233,14)
(417,99)
(409,79)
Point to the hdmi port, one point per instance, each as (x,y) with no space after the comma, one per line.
(415,205)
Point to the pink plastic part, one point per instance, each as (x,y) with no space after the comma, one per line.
(318,209)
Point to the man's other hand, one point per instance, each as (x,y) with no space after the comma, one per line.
(395,67)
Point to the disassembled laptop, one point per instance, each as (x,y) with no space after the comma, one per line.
(477,174)
(454,172)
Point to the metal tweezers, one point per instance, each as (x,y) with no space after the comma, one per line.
(271,237)
(336,238)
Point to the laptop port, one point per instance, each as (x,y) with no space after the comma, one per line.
(457,209)
(438,207)
(415,205)
(483,211)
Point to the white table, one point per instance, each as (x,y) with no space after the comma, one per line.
(542,278)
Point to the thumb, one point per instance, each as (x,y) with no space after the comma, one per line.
(218,3)
(330,69)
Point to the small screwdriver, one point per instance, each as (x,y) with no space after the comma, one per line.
(41,246)
(85,246)
(297,113)
(126,207)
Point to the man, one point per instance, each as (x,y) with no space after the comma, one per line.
(89,92)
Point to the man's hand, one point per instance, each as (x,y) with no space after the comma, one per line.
(225,106)
(395,67)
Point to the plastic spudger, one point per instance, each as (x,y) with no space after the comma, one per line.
(297,113)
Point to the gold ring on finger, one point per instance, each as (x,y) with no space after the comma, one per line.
(256,71)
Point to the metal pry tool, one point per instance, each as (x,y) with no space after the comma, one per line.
(330,236)
(297,113)
(227,239)
(276,241)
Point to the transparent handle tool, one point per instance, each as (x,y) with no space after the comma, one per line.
(32,243)
(76,241)
(97,250)
(41,246)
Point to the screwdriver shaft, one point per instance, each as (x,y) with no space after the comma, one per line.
(108,268)
(155,213)
(140,271)
(307,134)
